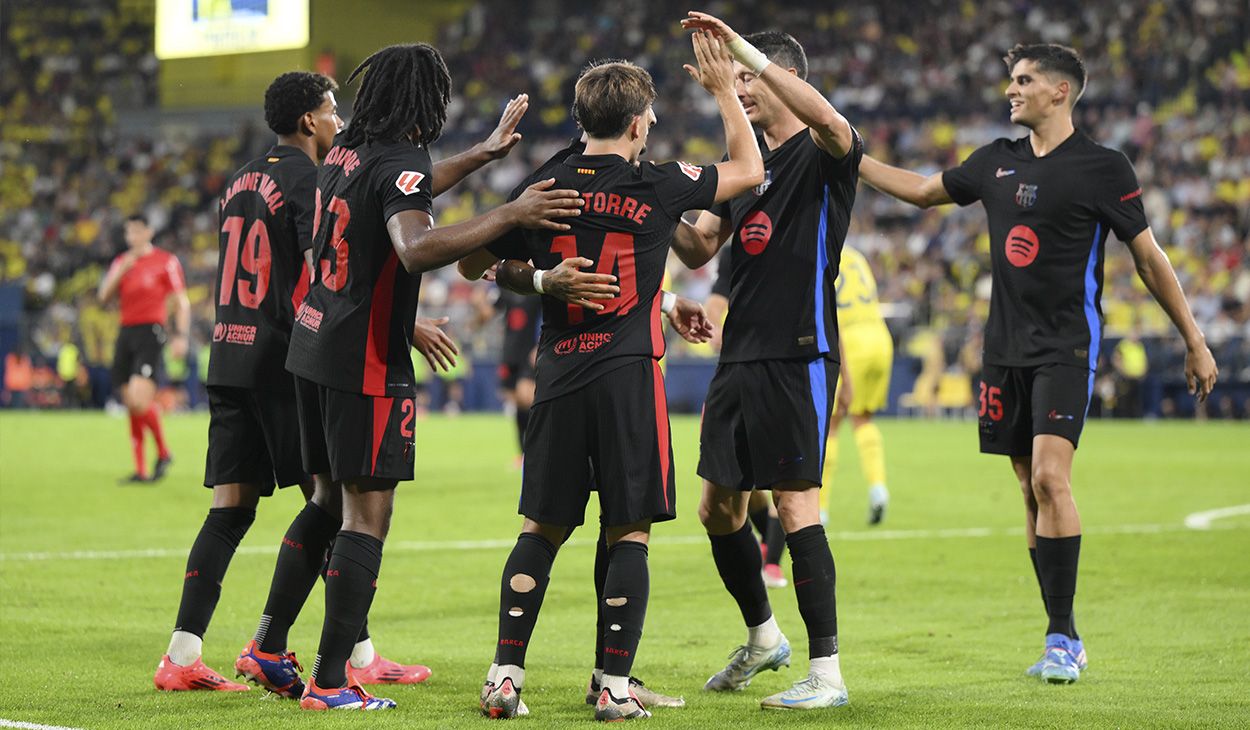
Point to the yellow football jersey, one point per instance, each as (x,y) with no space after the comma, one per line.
(857,291)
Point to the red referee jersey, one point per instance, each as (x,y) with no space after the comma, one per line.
(145,287)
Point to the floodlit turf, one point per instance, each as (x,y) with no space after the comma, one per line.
(936,627)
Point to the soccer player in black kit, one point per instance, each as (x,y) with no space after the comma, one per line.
(350,343)
(522,316)
(600,402)
(1051,198)
(266,212)
(767,411)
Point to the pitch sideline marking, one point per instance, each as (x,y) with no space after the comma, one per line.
(1202,520)
(427,546)
(33,726)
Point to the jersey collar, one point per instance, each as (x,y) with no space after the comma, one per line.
(1067,144)
(283,150)
(594,161)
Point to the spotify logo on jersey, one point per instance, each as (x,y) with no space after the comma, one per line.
(755,232)
(1021,246)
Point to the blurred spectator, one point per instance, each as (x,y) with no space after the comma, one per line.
(1130,364)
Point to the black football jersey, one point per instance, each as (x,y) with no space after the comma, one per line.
(354,330)
(628,217)
(266,212)
(724,269)
(522,316)
(787,242)
(1048,221)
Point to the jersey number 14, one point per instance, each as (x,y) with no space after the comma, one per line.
(616,257)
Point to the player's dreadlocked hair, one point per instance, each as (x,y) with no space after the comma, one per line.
(407,87)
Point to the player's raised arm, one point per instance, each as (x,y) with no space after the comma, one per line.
(745,167)
(422,247)
(696,243)
(1157,274)
(908,186)
(830,130)
(449,172)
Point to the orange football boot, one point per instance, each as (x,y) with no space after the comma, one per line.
(171,677)
(384,671)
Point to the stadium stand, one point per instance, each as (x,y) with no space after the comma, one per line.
(922,81)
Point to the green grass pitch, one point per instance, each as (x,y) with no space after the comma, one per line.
(939,612)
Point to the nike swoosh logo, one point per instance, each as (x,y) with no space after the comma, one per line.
(1004,173)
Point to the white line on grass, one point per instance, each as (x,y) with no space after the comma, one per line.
(416,546)
(33,726)
(1203,520)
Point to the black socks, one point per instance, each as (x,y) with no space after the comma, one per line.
(210,556)
(301,558)
(737,557)
(1057,559)
(624,605)
(351,581)
(814,587)
(521,591)
(601,577)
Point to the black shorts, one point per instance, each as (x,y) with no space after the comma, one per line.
(512,371)
(613,432)
(253,437)
(138,352)
(765,422)
(1014,404)
(348,435)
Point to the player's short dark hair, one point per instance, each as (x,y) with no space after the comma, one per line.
(291,96)
(1051,58)
(781,48)
(137,218)
(608,95)
(407,87)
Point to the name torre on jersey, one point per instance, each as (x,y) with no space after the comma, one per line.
(622,206)
(256,182)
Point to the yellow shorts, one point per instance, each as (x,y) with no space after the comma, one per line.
(869,358)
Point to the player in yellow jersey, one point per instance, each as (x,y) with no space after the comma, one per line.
(869,353)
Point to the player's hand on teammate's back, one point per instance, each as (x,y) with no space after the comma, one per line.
(569,283)
(431,341)
(505,137)
(702,21)
(690,321)
(1200,371)
(716,66)
(539,205)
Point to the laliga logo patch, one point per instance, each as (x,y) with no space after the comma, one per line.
(694,172)
(408,181)
(1026,195)
(758,190)
(1021,246)
(756,231)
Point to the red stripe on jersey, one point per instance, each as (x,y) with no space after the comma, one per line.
(301,286)
(381,415)
(377,344)
(661,426)
(657,332)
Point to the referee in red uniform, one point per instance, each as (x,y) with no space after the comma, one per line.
(143,279)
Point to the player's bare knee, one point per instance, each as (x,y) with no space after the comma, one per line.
(1050,484)
(720,518)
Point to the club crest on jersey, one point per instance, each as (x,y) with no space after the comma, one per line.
(768,180)
(408,181)
(694,172)
(1026,195)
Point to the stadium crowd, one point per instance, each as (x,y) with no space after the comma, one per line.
(922,81)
